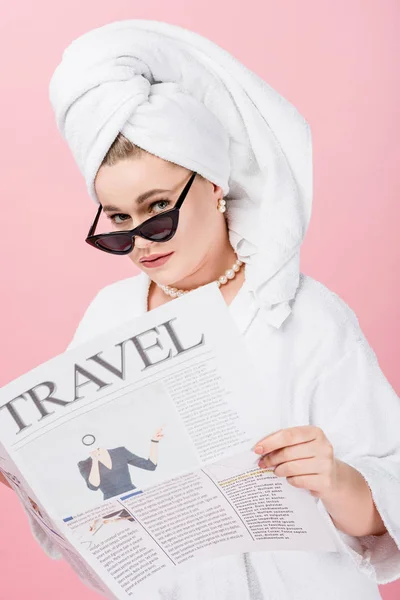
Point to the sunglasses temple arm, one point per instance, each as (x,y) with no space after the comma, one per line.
(185,190)
(96,220)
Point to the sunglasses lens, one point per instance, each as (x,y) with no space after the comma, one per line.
(159,229)
(115,243)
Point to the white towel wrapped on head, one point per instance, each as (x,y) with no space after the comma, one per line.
(183,98)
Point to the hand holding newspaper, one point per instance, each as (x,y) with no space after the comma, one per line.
(134,451)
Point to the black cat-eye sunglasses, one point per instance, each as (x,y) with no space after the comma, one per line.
(160,228)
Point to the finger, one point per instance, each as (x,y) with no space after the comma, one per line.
(311,483)
(287,437)
(315,494)
(305,450)
(305,466)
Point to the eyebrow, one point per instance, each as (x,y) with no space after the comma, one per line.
(140,199)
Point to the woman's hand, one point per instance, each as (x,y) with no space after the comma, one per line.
(153,454)
(158,434)
(96,454)
(101,455)
(304,456)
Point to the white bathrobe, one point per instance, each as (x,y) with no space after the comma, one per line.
(321,371)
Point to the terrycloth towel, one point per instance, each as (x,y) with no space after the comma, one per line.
(181,97)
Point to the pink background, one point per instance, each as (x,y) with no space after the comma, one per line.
(337,62)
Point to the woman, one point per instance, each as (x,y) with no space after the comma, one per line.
(107,469)
(147,106)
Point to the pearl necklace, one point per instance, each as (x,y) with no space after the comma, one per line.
(229,274)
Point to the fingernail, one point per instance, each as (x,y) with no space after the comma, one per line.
(258,450)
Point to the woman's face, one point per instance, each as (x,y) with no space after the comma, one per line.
(201,227)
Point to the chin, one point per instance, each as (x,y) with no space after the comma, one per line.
(168,276)
(162,275)
(164,278)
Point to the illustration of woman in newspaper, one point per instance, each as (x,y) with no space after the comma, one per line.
(108,469)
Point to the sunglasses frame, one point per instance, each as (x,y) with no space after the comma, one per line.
(173,212)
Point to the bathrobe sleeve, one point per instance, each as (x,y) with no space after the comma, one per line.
(359,412)
(51,548)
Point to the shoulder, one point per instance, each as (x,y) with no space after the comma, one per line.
(112,305)
(117,294)
(119,452)
(320,317)
(318,303)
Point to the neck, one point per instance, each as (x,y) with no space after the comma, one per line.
(210,270)
(226,277)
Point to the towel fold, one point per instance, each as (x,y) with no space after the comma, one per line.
(183,98)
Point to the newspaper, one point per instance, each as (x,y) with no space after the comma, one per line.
(134,451)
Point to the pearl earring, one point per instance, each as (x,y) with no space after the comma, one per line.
(221,205)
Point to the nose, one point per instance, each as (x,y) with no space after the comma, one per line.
(142,243)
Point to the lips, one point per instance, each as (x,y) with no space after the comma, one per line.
(155,260)
(153,257)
